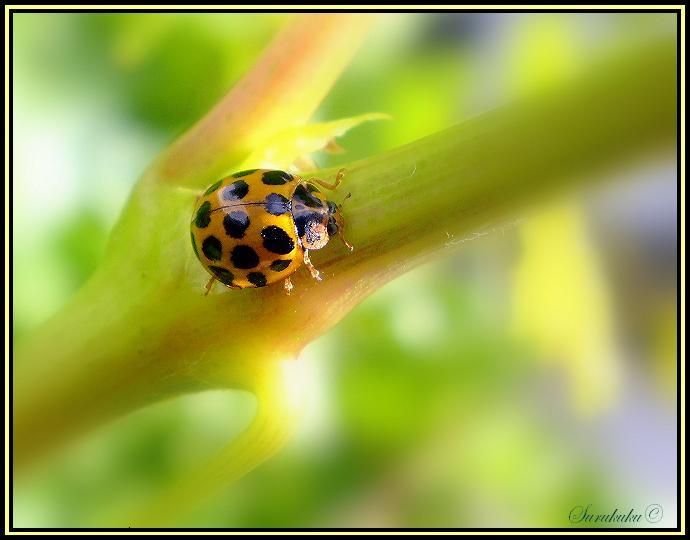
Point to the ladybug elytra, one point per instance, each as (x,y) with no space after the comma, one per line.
(256,227)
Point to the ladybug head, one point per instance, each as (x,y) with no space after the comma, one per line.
(315,235)
(318,231)
(310,212)
(316,218)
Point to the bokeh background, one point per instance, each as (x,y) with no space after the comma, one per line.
(531,373)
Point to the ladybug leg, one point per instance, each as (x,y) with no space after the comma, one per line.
(341,232)
(288,285)
(340,221)
(338,180)
(314,272)
(342,238)
(209,285)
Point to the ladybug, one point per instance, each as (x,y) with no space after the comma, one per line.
(256,227)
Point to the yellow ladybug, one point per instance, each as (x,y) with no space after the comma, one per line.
(255,227)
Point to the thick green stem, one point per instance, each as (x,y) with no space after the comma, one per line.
(142,330)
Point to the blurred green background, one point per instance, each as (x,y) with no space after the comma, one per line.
(529,374)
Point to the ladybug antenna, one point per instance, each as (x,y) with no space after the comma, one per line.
(341,224)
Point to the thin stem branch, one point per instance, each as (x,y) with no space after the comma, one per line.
(296,71)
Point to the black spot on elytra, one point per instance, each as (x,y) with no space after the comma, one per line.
(213,187)
(196,252)
(277,204)
(303,195)
(256,278)
(276,178)
(212,248)
(236,191)
(279,265)
(244,257)
(243,173)
(223,274)
(236,223)
(277,240)
(203,215)
(312,188)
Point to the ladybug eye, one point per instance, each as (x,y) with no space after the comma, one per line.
(332,227)
(332,207)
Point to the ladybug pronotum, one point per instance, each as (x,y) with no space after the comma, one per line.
(256,227)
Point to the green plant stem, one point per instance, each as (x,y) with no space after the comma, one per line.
(278,396)
(141,329)
(282,90)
